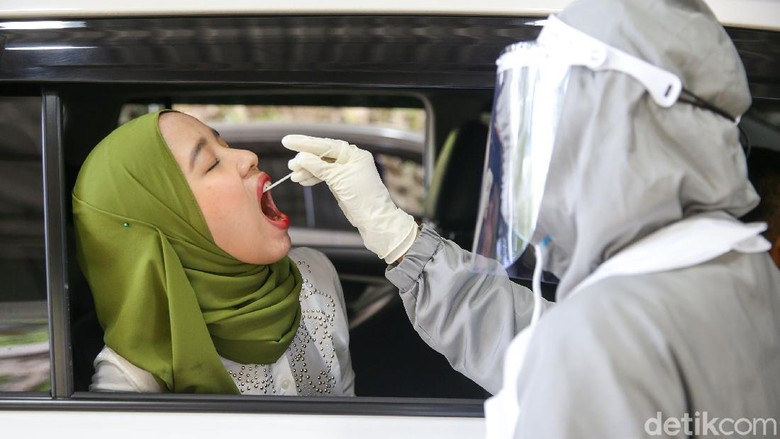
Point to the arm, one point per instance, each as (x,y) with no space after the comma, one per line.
(464,306)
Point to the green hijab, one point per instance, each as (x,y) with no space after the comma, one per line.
(171,301)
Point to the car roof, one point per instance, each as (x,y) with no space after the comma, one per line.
(753,14)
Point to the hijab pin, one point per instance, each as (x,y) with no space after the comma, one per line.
(125,224)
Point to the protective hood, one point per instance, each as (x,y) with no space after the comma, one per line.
(622,166)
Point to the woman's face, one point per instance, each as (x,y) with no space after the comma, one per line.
(228,187)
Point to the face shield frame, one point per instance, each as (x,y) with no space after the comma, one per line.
(522,132)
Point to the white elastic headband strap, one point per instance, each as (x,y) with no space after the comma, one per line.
(573,47)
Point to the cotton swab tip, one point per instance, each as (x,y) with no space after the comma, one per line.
(268,187)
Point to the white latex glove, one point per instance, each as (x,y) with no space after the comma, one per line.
(351,175)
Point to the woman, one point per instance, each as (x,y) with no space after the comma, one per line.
(192,273)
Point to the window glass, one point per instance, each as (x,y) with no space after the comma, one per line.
(24,341)
(405,181)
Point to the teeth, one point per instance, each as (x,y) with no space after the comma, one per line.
(267,184)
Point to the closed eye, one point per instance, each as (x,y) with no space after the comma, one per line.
(216,162)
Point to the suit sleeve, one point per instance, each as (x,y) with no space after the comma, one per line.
(462,305)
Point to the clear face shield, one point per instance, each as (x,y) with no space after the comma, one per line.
(528,101)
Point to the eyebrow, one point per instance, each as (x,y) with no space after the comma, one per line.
(199,147)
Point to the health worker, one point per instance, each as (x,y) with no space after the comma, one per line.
(614,152)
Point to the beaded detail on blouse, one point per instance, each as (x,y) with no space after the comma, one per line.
(310,355)
(254,378)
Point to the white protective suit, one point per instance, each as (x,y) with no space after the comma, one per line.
(681,341)
(668,307)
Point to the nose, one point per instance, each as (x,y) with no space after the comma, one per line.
(247,161)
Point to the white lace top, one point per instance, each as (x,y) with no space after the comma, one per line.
(317,362)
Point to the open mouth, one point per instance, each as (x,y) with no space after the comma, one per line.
(269,208)
(267,205)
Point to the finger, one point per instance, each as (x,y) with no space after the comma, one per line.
(310,182)
(308,165)
(304,178)
(319,146)
(300,175)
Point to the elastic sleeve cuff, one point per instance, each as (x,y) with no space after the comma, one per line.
(403,246)
(405,274)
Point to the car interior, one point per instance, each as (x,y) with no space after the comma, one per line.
(389,358)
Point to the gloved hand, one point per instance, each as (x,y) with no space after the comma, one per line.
(353,179)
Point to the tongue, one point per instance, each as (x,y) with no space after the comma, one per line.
(269,208)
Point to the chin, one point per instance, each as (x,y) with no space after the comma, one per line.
(286,248)
(273,255)
(261,253)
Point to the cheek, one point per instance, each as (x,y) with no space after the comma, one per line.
(221,208)
(238,227)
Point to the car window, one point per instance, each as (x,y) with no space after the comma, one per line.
(24,337)
(395,131)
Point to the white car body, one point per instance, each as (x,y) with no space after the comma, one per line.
(753,14)
(134,425)
(52,422)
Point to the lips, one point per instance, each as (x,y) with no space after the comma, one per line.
(267,205)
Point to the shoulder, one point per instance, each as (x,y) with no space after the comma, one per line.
(309,255)
(311,260)
(314,265)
